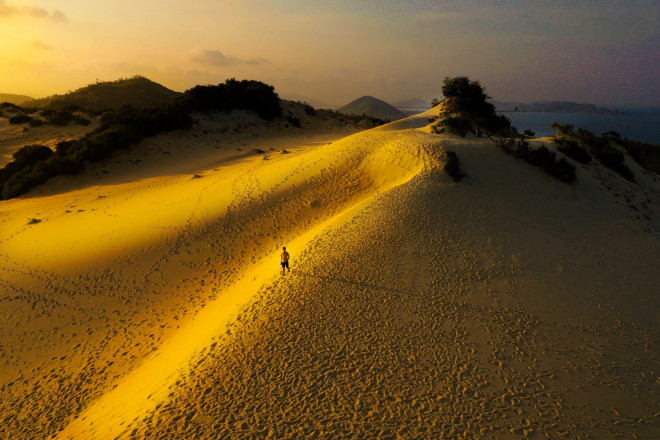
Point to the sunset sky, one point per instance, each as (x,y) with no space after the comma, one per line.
(330,52)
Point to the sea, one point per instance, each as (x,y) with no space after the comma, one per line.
(641,126)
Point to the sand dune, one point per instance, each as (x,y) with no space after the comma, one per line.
(13,137)
(148,303)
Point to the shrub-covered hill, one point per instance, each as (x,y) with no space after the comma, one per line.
(136,91)
(33,165)
(14,99)
(370,106)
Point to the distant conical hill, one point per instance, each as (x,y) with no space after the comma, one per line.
(14,99)
(370,106)
(136,91)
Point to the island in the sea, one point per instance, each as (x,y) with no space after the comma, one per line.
(552,107)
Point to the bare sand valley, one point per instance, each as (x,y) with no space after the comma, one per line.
(144,298)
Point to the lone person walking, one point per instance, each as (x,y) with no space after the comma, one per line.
(285,260)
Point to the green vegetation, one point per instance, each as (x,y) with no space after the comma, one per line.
(572,149)
(136,91)
(20,119)
(61,117)
(14,108)
(541,157)
(293,121)
(234,94)
(309,110)
(127,126)
(645,154)
(466,109)
(453,167)
(581,145)
(57,117)
(562,129)
(458,124)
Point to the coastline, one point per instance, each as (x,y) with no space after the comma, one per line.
(643,127)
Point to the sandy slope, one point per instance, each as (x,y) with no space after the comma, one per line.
(13,137)
(504,306)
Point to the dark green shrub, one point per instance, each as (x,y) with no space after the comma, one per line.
(65,166)
(562,129)
(468,99)
(36,123)
(81,120)
(9,106)
(458,124)
(309,110)
(605,152)
(497,124)
(587,137)
(100,144)
(453,167)
(573,150)
(25,171)
(62,147)
(58,117)
(293,121)
(466,96)
(613,159)
(612,135)
(108,117)
(20,119)
(541,157)
(234,94)
(563,170)
(18,184)
(31,154)
(645,154)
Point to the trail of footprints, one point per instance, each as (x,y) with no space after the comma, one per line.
(405,323)
(379,336)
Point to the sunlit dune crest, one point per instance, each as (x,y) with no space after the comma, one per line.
(144,299)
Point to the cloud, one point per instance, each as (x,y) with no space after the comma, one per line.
(9,10)
(216,58)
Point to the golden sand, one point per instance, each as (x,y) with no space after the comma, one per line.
(148,302)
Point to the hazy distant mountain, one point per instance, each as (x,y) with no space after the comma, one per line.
(14,99)
(550,107)
(137,91)
(370,106)
(413,104)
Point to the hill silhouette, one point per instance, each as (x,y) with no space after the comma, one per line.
(14,99)
(136,91)
(370,106)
